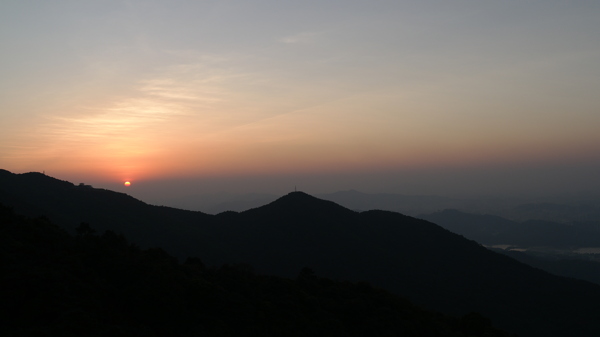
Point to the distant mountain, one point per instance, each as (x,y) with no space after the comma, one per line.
(562,209)
(578,210)
(494,230)
(407,204)
(549,244)
(411,257)
(584,209)
(562,265)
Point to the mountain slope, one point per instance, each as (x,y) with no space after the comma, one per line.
(53,284)
(412,257)
(34,194)
(430,265)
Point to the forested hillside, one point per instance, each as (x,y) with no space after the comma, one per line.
(432,267)
(55,284)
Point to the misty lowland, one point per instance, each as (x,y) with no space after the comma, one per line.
(83,261)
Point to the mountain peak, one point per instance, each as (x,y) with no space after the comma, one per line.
(298,194)
(298,198)
(301,204)
(35,180)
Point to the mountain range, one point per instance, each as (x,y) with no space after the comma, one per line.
(91,284)
(494,230)
(428,264)
(566,209)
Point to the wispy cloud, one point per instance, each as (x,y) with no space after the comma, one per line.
(300,38)
(174,97)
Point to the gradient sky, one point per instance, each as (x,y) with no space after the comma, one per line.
(461,96)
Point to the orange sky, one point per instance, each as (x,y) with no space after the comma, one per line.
(145,91)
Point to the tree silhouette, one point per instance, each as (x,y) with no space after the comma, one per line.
(84,229)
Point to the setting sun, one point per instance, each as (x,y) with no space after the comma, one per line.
(127,183)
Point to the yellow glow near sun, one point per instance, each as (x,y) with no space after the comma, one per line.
(127,183)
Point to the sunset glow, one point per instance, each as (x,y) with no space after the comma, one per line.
(208,89)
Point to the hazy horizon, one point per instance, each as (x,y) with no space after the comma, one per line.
(466,184)
(409,97)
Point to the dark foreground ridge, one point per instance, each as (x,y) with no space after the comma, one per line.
(414,258)
(54,284)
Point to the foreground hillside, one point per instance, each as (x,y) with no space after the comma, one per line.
(54,284)
(414,258)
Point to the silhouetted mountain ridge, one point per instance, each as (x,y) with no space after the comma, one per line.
(411,257)
(300,205)
(53,284)
(35,194)
(494,230)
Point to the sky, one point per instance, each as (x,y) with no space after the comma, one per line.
(414,97)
